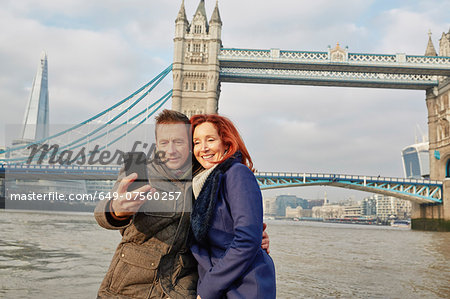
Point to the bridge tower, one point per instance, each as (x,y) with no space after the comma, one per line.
(196,85)
(438,105)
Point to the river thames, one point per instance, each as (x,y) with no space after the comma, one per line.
(66,256)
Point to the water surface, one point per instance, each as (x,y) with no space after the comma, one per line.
(67,255)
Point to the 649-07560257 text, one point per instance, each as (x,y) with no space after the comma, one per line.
(56,196)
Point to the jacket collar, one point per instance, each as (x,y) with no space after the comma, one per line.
(204,205)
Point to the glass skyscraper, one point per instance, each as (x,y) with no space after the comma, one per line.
(416,163)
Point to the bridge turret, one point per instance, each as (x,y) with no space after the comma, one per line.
(181,22)
(215,18)
(444,44)
(181,28)
(215,32)
(430,51)
(215,24)
(196,65)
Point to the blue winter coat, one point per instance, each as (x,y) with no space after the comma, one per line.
(227,224)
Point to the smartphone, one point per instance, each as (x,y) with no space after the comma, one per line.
(136,162)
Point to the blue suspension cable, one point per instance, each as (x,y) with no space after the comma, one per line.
(163,99)
(117,116)
(163,73)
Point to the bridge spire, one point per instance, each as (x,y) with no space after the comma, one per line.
(201,9)
(215,18)
(430,51)
(182,13)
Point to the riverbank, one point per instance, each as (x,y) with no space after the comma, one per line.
(354,220)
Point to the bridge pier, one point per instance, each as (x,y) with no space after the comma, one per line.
(433,217)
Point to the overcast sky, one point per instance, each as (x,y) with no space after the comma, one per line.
(101,51)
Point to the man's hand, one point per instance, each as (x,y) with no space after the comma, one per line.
(128,203)
(265,239)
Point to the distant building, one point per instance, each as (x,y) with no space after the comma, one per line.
(315,203)
(386,207)
(283,201)
(416,164)
(389,208)
(269,206)
(36,118)
(328,211)
(353,210)
(369,206)
(294,212)
(306,213)
(35,122)
(403,209)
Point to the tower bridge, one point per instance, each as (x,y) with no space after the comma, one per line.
(201,64)
(336,67)
(336,59)
(416,190)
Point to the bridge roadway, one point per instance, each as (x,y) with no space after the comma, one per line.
(417,190)
(276,66)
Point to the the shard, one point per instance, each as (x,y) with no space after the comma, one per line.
(35,122)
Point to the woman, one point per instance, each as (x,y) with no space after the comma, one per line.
(226,220)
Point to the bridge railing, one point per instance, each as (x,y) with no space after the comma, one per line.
(346,177)
(57,167)
(377,58)
(324,57)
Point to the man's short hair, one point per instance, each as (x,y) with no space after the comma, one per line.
(171,117)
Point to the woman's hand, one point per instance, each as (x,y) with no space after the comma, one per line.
(198,297)
(265,239)
(128,203)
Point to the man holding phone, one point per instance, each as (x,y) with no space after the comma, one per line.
(153,259)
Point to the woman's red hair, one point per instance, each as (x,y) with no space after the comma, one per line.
(228,134)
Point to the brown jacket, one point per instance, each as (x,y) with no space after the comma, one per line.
(153,259)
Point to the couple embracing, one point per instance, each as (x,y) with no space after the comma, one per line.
(211,246)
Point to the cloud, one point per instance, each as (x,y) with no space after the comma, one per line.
(298,25)
(404,30)
(89,70)
(101,51)
(318,129)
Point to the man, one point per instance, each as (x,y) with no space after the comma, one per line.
(153,259)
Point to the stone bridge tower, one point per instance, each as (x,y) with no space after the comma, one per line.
(196,85)
(438,105)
